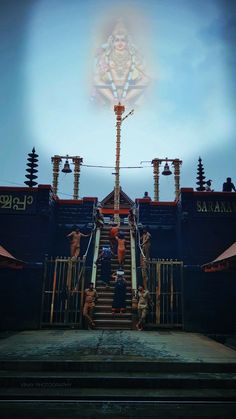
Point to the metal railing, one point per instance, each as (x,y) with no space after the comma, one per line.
(95,256)
(142,259)
(133,262)
(163,279)
(165,287)
(63,290)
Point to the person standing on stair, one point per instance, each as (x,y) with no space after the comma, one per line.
(146,243)
(99,219)
(119,298)
(132,221)
(105,259)
(121,249)
(143,302)
(114,230)
(75,237)
(90,298)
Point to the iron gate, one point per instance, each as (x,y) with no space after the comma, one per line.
(165,286)
(62,296)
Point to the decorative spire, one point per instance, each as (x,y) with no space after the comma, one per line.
(200,176)
(32,169)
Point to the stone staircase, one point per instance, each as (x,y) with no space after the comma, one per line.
(117,389)
(103,317)
(73,374)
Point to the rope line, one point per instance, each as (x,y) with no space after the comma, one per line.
(112,167)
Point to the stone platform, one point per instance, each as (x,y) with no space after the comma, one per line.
(114,374)
(81,345)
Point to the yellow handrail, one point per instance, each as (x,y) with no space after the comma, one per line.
(95,256)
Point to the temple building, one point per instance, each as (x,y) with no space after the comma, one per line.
(190,273)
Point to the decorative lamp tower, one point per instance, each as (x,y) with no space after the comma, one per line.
(200,176)
(32,169)
(77,163)
(166,172)
(119,110)
(156,174)
(56,161)
(177,163)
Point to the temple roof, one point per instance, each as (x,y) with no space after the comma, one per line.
(125,200)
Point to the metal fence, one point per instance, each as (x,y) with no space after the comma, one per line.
(63,289)
(164,282)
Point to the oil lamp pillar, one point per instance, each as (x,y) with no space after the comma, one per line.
(56,160)
(77,162)
(156,174)
(119,110)
(176,163)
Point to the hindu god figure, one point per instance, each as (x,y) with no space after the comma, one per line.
(119,74)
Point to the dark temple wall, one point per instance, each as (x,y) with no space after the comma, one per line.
(207,225)
(207,229)
(161,221)
(20,298)
(196,230)
(70,215)
(27,221)
(209,301)
(34,223)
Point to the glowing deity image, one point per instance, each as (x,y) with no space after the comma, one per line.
(119,70)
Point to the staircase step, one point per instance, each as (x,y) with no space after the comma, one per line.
(110,315)
(104,300)
(133,366)
(102,289)
(100,283)
(152,380)
(103,317)
(115,267)
(109,294)
(108,308)
(114,327)
(107,240)
(113,322)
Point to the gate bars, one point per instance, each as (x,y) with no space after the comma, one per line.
(62,296)
(165,286)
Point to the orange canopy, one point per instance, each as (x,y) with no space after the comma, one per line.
(224,262)
(9,261)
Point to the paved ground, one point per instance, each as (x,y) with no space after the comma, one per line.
(77,345)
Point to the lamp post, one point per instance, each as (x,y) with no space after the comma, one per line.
(119,110)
